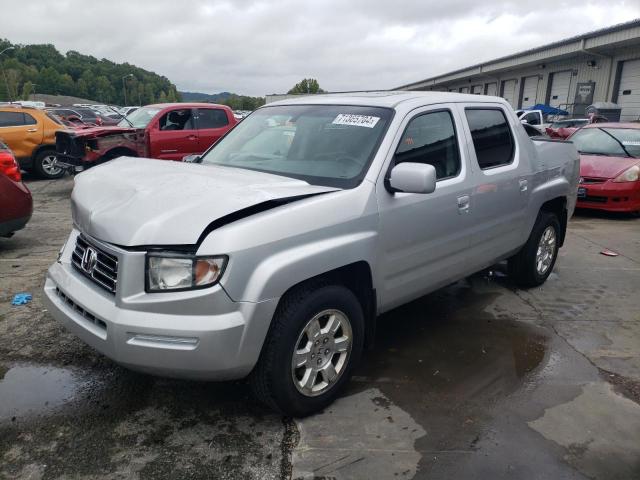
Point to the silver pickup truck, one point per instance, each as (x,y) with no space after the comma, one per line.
(272,254)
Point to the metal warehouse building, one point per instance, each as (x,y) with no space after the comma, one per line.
(600,66)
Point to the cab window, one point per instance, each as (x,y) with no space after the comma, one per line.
(492,139)
(532,118)
(177,120)
(29,120)
(212,118)
(431,138)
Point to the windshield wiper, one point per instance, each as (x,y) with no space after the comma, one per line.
(123,117)
(618,141)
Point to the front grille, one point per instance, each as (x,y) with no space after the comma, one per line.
(77,308)
(103,271)
(594,199)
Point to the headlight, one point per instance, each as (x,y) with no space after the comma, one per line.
(629,175)
(182,272)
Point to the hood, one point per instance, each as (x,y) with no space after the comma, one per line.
(601,166)
(93,132)
(139,201)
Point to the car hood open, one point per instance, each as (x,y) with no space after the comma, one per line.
(138,201)
(601,166)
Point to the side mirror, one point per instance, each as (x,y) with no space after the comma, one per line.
(524,121)
(193,158)
(413,178)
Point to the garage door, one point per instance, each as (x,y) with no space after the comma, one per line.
(509,92)
(529,91)
(492,89)
(464,89)
(560,84)
(476,89)
(629,93)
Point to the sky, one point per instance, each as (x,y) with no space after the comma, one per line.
(255,47)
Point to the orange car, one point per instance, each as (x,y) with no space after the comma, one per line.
(31,134)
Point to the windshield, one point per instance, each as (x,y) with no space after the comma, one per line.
(613,142)
(140,118)
(329,145)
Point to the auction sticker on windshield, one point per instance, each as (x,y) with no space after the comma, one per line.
(356,120)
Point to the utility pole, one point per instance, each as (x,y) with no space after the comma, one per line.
(124,87)
(4,74)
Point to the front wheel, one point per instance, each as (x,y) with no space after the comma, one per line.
(316,338)
(45,165)
(533,264)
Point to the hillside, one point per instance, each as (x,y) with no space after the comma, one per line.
(233,100)
(43,69)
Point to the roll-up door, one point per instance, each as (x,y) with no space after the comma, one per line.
(629,92)
(560,84)
(476,89)
(492,89)
(464,89)
(509,92)
(529,91)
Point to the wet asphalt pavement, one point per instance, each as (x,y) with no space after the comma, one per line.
(478,380)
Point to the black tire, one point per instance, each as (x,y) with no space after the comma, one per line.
(42,168)
(271,380)
(522,266)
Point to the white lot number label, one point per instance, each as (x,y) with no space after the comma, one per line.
(356,120)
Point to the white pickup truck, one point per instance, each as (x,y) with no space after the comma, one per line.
(272,255)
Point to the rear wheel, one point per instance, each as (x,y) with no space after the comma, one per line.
(45,165)
(316,338)
(533,264)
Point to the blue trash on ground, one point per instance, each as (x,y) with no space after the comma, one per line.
(21,299)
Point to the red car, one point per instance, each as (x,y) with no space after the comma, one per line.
(16,204)
(167,131)
(609,166)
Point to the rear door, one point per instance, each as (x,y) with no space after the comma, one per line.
(173,135)
(21,132)
(501,176)
(424,237)
(212,123)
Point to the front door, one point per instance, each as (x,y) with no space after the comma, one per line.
(424,237)
(174,135)
(212,123)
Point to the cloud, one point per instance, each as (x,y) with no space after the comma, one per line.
(257,47)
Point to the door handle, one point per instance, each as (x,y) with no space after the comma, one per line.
(524,185)
(192,137)
(32,130)
(463,204)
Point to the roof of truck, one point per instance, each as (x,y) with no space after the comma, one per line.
(385,98)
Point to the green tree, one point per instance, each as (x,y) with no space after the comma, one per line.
(163,97)
(27,90)
(306,85)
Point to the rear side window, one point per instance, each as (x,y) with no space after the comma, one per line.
(212,118)
(491,136)
(29,120)
(431,138)
(11,119)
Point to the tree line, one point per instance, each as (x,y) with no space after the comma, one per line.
(28,69)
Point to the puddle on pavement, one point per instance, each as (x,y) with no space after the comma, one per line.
(33,390)
(448,363)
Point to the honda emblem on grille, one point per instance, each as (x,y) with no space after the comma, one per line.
(89,260)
